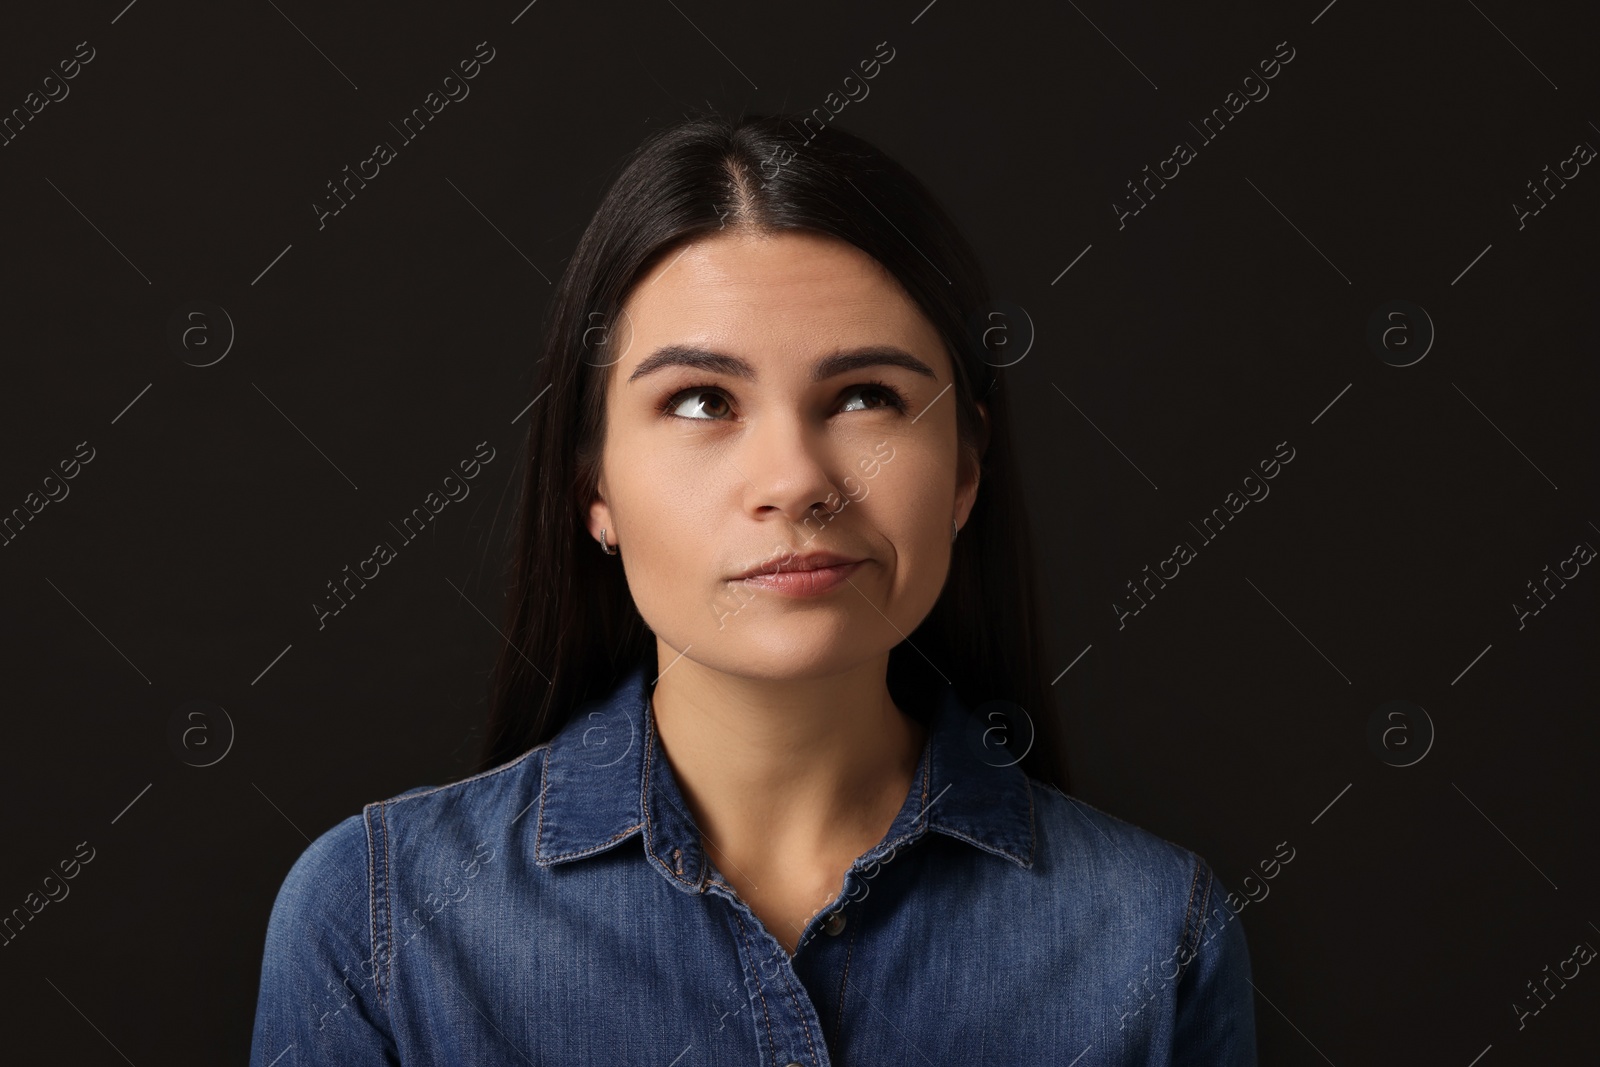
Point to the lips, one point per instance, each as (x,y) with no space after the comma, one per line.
(813,581)
(792,563)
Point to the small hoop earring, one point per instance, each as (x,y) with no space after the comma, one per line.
(607,549)
(953,531)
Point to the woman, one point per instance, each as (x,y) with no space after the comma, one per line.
(743,802)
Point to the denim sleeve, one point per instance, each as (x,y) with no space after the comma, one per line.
(320,1000)
(1215,1024)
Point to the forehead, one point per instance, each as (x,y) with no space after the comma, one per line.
(790,298)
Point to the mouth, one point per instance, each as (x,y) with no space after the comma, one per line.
(811,581)
(797,575)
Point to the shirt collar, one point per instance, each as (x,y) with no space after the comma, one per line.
(605,778)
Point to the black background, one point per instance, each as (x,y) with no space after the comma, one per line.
(1231,314)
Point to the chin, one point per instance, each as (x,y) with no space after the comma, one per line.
(795,652)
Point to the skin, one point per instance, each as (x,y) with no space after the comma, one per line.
(774,712)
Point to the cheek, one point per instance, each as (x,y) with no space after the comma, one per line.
(908,507)
(667,514)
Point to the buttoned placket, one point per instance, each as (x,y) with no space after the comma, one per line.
(794,1004)
(784,1016)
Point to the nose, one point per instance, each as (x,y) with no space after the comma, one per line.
(787,470)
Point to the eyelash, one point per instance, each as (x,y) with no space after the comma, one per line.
(894,400)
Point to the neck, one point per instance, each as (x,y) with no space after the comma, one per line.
(780,771)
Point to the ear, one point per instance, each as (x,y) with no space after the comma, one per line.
(600,515)
(969,475)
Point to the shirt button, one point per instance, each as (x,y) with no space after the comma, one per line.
(834,924)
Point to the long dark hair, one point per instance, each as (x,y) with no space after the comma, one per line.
(572,628)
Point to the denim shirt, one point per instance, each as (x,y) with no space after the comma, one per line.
(559,910)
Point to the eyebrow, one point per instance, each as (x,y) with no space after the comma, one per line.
(843,362)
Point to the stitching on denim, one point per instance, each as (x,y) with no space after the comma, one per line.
(1188,923)
(799,1011)
(649,825)
(538,833)
(765,1014)
(544,786)
(481,774)
(788,988)
(927,775)
(1107,815)
(601,847)
(1188,911)
(388,898)
(372,904)
(992,849)
(1033,830)
(844,979)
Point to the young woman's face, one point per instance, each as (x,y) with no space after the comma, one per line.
(725,451)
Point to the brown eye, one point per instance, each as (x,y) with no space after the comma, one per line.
(886,395)
(708,401)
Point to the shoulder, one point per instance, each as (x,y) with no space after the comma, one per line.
(432,829)
(486,787)
(1107,849)
(1125,875)
(337,893)
(329,879)
(348,864)
(1174,922)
